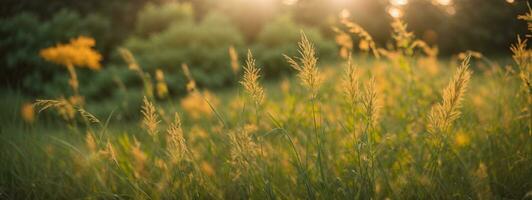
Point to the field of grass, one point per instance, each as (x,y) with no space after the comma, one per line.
(403,126)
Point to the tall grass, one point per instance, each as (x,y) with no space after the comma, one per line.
(402,126)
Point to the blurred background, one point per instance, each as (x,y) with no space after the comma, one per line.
(163,34)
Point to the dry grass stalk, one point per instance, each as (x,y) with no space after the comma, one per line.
(307,69)
(191,84)
(161,86)
(523,57)
(403,38)
(370,103)
(176,142)
(366,42)
(150,117)
(66,110)
(351,83)
(250,80)
(244,152)
(344,41)
(443,114)
(130,59)
(233,55)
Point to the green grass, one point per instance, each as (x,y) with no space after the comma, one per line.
(289,156)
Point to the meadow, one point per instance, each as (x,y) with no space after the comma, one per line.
(385,123)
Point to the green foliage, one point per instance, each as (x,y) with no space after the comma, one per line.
(23,35)
(203,46)
(249,16)
(280,37)
(153,19)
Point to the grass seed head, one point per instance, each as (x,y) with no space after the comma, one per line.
(150,118)
(444,113)
(176,142)
(250,80)
(307,69)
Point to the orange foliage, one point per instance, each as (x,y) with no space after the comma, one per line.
(78,53)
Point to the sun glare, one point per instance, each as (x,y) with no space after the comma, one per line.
(395,12)
(289,2)
(345,14)
(444,2)
(399,2)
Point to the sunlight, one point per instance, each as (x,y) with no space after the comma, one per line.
(444,2)
(345,14)
(395,12)
(289,2)
(399,2)
(266,99)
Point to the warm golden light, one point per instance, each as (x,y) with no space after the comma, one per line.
(510,1)
(399,2)
(395,12)
(450,10)
(345,14)
(444,2)
(289,2)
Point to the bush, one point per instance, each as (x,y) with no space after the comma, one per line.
(281,37)
(23,35)
(153,19)
(203,46)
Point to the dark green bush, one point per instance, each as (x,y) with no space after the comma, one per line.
(280,37)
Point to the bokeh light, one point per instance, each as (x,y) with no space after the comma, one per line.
(395,12)
(345,14)
(444,2)
(399,2)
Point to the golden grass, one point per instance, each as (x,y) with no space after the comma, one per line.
(367,132)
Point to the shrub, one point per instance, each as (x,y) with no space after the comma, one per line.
(203,46)
(154,19)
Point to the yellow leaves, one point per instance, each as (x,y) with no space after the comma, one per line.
(78,53)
